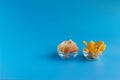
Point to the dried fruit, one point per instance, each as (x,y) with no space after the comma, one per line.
(67,48)
(94,49)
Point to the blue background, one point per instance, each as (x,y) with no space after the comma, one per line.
(30,31)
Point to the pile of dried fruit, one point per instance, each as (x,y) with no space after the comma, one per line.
(68,47)
(94,49)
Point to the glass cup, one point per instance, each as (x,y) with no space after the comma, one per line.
(89,56)
(67,55)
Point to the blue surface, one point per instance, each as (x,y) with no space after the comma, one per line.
(30,31)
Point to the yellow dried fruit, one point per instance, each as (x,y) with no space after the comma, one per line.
(85,43)
(103,48)
(94,49)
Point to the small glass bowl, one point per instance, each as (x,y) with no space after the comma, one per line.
(67,55)
(88,55)
(67,49)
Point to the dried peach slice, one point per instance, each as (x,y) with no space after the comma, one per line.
(103,48)
(84,42)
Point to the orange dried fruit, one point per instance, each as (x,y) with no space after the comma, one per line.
(94,49)
(103,48)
